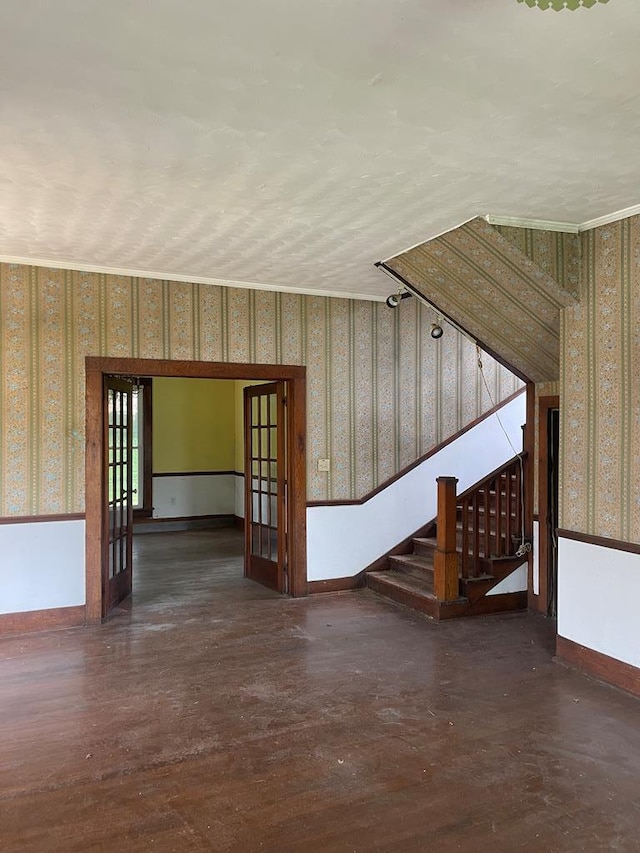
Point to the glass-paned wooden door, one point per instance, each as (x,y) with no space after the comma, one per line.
(117,493)
(265,483)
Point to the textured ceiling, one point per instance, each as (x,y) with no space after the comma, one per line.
(295,143)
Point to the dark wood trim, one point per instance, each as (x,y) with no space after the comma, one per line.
(601,541)
(42,620)
(296,409)
(95,439)
(337,584)
(168,519)
(421,459)
(193,473)
(38,519)
(238,473)
(238,522)
(545,404)
(598,665)
(146,510)
(416,291)
(194,369)
(295,377)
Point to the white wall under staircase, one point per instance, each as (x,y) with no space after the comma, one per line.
(343,540)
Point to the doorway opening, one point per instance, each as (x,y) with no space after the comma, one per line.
(548,479)
(275,482)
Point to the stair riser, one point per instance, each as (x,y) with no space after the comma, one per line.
(420,567)
(423,577)
(423,550)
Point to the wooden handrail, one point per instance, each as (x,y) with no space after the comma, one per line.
(491,516)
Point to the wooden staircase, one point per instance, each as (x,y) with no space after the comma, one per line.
(447,569)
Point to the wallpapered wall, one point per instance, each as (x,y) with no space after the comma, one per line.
(600,388)
(555,252)
(380,391)
(493,287)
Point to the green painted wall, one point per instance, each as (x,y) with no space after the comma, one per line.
(193,425)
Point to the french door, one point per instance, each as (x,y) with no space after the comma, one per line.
(265,485)
(117,503)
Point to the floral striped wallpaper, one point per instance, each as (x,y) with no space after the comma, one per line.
(557,253)
(381,391)
(600,388)
(492,286)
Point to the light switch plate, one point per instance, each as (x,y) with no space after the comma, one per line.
(323,464)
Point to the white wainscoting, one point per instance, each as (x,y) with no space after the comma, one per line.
(41,565)
(536,558)
(344,540)
(598,595)
(183,496)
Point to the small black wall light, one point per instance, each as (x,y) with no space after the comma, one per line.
(394,300)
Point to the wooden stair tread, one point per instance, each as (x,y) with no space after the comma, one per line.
(412,562)
(402,581)
(483,523)
(415,593)
(431,542)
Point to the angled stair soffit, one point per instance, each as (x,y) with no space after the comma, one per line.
(505,285)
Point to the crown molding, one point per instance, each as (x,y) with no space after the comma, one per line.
(536,224)
(625,213)
(190,279)
(565,227)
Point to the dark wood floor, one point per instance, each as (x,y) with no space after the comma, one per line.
(213,715)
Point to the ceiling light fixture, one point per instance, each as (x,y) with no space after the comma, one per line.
(561,5)
(394,300)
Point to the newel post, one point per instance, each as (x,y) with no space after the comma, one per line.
(445,559)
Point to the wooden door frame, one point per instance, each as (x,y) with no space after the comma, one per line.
(545,404)
(95,370)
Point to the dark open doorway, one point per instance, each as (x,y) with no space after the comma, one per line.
(548,473)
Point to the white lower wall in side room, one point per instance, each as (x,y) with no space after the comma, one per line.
(43,565)
(183,496)
(343,540)
(598,595)
(239,487)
